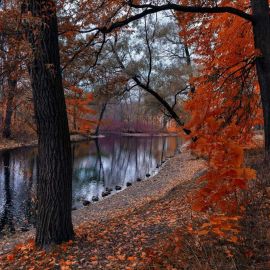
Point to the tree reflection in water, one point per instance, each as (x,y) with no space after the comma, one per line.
(7,214)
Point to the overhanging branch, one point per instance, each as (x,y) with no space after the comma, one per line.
(151,9)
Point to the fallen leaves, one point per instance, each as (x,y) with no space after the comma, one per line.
(10,257)
(120,243)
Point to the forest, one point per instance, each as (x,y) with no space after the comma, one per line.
(134,134)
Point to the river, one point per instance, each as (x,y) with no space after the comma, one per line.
(112,163)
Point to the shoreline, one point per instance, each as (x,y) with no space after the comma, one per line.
(13,144)
(124,134)
(177,170)
(183,167)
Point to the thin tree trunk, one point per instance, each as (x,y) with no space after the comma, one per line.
(54,187)
(103,109)
(75,118)
(188,61)
(9,108)
(261,29)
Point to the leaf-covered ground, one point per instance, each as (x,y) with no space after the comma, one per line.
(119,231)
(123,242)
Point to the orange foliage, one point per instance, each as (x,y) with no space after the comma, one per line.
(224,110)
(78,103)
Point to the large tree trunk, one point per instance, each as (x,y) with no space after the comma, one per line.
(261,29)
(54,187)
(9,108)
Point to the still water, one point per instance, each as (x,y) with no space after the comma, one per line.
(97,165)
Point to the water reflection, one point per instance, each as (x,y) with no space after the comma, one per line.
(7,213)
(97,165)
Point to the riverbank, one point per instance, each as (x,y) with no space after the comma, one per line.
(177,170)
(10,144)
(17,143)
(149,134)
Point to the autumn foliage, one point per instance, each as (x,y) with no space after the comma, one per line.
(224,110)
(78,108)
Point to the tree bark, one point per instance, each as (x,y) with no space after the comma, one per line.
(103,109)
(54,187)
(261,29)
(9,108)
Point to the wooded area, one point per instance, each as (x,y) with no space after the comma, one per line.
(196,69)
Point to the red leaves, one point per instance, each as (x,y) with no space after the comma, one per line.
(78,107)
(240,183)
(225,227)
(223,111)
(10,257)
(66,265)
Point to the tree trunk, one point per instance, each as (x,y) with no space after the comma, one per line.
(103,109)
(9,108)
(54,187)
(261,29)
(188,56)
(164,103)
